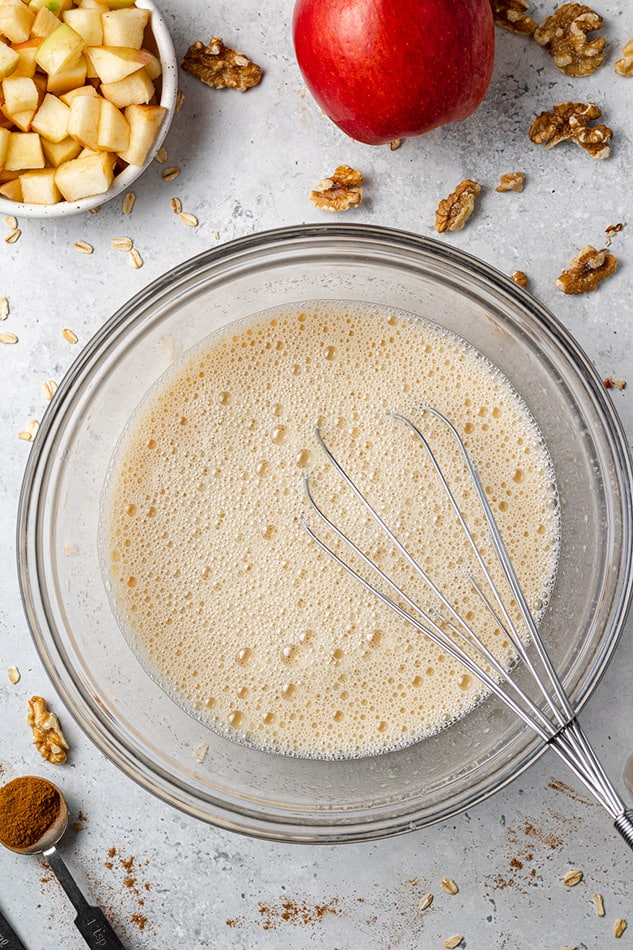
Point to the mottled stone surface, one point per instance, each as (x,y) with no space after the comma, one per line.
(248,163)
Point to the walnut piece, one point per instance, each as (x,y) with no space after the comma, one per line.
(220,67)
(624,66)
(511,15)
(570,120)
(564,34)
(586,270)
(47,734)
(611,383)
(453,212)
(511,181)
(519,278)
(340,191)
(611,232)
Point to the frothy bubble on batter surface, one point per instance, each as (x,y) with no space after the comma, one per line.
(225,599)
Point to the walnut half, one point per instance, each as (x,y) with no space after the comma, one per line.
(511,15)
(453,212)
(587,270)
(220,67)
(47,734)
(341,191)
(564,34)
(570,120)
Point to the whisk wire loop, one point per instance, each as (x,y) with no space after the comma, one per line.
(453,634)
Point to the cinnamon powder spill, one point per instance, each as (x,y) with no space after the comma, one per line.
(295,912)
(559,786)
(132,884)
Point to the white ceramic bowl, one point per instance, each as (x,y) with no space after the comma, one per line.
(164,49)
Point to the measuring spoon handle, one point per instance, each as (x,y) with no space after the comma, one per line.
(90,921)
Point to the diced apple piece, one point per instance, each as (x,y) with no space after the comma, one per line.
(83,177)
(20,95)
(26,51)
(135,89)
(24,152)
(120,4)
(85,90)
(55,6)
(153,68)
(114,129)
(83,120)
(51,119)
(20,120)
(93,5)
(68,79)
(9,59)
(45,23)
(16,20)
(87,23)
(60,50)
(112,63)
(125,27)
(39,188)
(12,189)
(56,153)
(145,123)
(4,145)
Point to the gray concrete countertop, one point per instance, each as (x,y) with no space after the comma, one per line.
(247,164)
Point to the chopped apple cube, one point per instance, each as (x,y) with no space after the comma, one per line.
(136,89)
(153,68)
(86,90)
(55,6)
(4,145)
(51,119)
(87,23)
(145,123)
(56,153)
(20,95)
(16,20)
(9,59)
(125,27)
(112,63)
(86,176)
(93,5)
(24,152)
(68,78)
(26,51)
(12,189)
(45,23)
(39,188)
(120,4)
(60,50)
(83,120)
(114,129)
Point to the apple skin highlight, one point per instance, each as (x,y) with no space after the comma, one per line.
(390,69)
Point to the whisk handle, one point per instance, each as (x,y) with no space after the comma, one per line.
(624,824)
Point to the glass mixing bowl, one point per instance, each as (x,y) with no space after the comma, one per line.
(99,678)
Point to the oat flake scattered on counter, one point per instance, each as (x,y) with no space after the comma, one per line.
(14,675)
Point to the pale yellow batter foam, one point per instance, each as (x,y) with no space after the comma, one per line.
(230,605)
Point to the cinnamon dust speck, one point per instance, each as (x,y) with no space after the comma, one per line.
(297,913)
(140,920)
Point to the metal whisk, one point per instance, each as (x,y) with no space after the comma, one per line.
(553,719)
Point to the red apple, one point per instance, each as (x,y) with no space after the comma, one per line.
(392,69)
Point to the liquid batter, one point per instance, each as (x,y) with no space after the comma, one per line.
(226,600)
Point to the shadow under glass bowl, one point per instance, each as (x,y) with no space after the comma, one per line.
(129,717)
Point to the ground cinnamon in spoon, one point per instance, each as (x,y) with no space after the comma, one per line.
(28,807)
